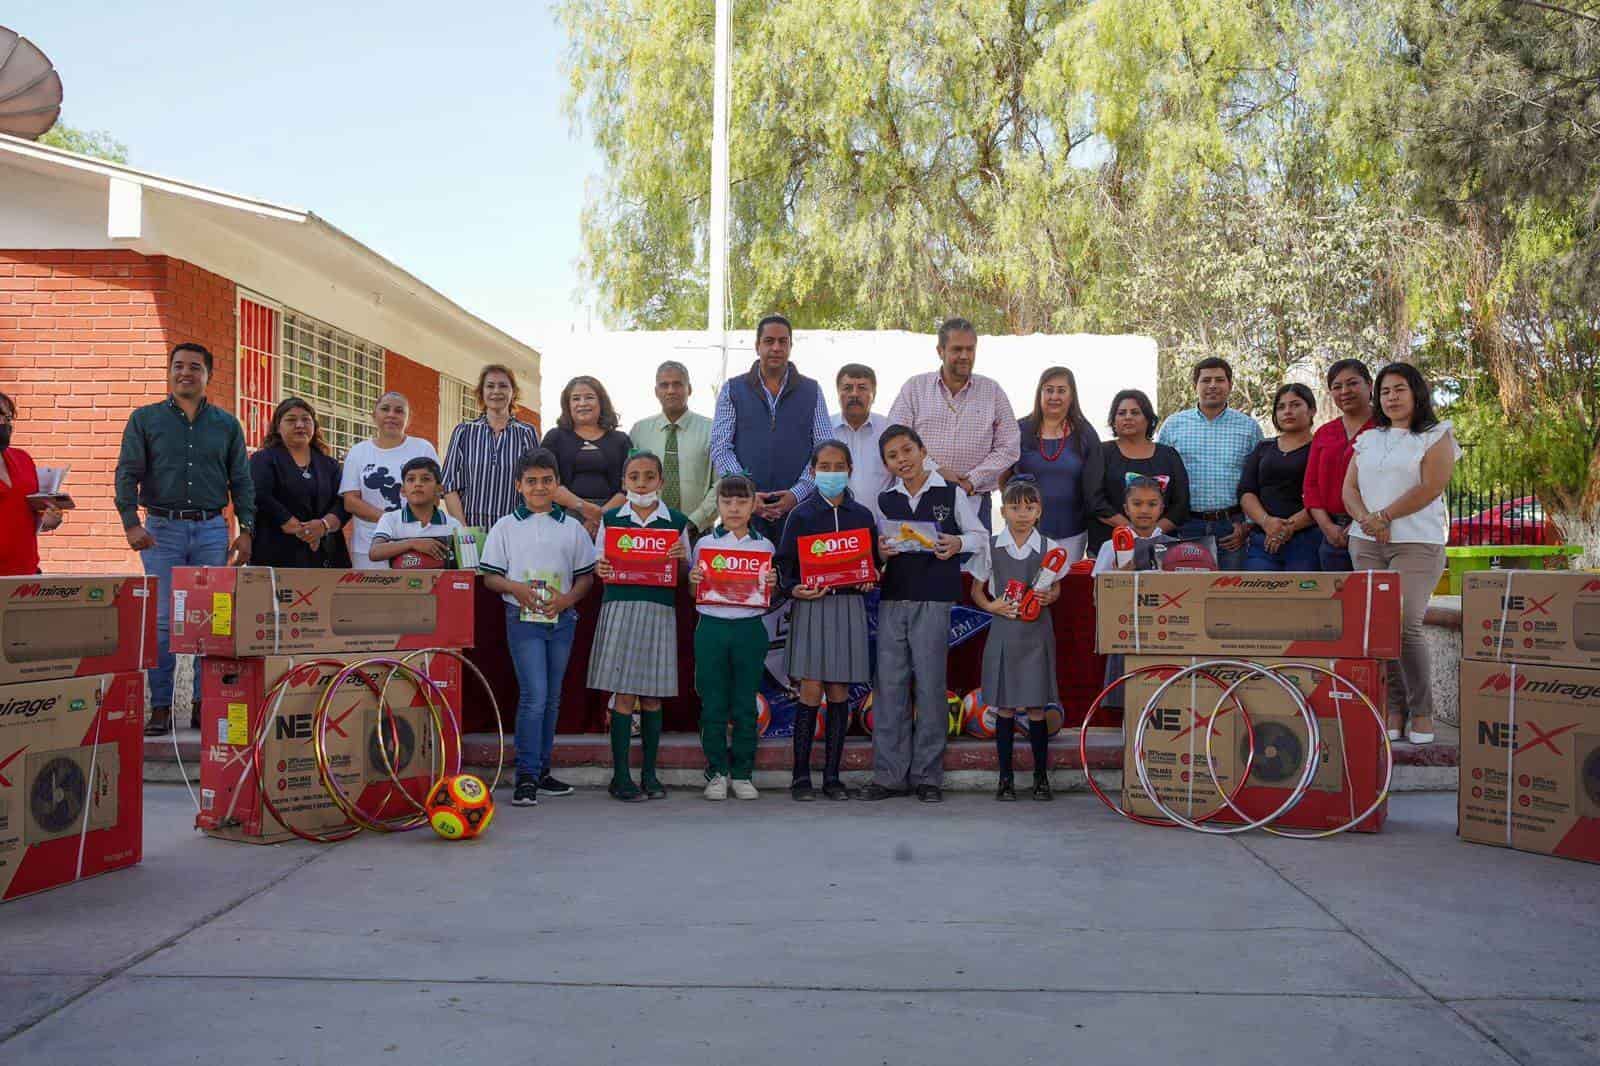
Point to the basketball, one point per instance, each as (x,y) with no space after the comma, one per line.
(460,807)
(1187,555)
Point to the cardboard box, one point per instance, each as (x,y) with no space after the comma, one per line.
(1530,758)
(232,693)
(831,559)
(1247,615)
(639,556)
(64,626)
(1350,767)
(732,577)
(1532,616)
(71,780)
(258,610)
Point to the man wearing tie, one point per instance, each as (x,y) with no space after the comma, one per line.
(683,440)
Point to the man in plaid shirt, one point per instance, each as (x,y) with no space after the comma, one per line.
(964,419)
(1214,441)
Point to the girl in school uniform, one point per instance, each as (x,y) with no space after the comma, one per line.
(1019,660)
(1143,505)
(827,650)
(635,653)
(730,649)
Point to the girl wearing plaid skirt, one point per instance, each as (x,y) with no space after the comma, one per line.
(635,653)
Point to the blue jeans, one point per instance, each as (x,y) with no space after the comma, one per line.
(1333,560)
(539,652)
(177,544)
(1199,527)
(1300,555)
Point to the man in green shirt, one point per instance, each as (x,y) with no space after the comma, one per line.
(683,440)
(183,460)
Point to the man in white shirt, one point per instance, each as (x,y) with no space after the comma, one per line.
(859,427)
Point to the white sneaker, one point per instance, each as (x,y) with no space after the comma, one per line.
(1419,738)
(1394,734)
(717,788)
(744,790)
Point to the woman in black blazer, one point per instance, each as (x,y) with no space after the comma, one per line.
(299,512)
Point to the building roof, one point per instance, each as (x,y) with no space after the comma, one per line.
(59,199)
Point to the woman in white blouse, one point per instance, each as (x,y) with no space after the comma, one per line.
(1395,491)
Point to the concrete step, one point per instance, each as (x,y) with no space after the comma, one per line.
(969,764)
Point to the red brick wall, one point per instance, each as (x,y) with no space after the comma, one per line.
(528,415)
(84,337)
(420,384)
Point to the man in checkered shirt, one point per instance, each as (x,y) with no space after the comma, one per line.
(1214,441)
(964,419)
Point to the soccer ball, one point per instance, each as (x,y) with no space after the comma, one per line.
(977,717)
(866,714)
(763,715)
(955,708)
(460,807)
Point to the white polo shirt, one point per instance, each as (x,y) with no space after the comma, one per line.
(721,538)
(404,525)
(551,546)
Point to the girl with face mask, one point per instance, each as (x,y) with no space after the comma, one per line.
(827,648)
(635,650)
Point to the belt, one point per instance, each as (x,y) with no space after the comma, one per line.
(1224,515)
(190,515)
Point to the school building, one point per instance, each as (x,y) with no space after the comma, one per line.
(103,268)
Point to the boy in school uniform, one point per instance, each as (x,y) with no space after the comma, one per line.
(918,590)
(421,524)
(541,561)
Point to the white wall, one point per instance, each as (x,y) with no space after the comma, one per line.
(626,363)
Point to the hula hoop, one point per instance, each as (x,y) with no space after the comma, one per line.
(1083,745)
(1253,670)
(276,694)
(483,683)
(352,809)
(1344,758)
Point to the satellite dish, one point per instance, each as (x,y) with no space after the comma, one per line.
(30,88)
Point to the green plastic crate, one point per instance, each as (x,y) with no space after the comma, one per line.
(1461,561)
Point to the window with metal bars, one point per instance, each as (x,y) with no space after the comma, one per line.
(458,403)
(338,373)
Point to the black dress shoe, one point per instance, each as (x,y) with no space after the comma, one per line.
(876,791)
(802,792)
(1007,792)
(930,794)
(160,723)
(836,790)
(1041,787)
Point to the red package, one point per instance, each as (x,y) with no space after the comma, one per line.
(734,578)
(639,556)
(844,558)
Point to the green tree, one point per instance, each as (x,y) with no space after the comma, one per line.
(1503,131)
(97,143)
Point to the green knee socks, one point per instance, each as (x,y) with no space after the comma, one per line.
(650,734)
(621,741)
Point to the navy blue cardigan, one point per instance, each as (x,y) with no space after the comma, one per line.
(817,515)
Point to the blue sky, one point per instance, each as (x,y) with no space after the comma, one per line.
(432,132)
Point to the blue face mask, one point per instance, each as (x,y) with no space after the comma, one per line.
(832,483)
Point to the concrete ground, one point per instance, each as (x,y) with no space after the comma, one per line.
(586,932)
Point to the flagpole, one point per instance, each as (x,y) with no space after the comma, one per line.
(717,227)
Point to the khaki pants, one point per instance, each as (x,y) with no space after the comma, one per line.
(1419,566)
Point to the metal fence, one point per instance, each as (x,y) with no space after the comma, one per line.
(1488,509)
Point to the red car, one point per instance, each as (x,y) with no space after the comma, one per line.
(1518,522)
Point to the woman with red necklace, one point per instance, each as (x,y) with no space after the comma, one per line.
(1061,454)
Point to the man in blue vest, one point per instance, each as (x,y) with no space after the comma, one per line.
(767,422)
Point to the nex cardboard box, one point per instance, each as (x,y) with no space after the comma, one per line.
(63,626)
(258,610)
(1530,758)
(233,696)
(1349,759)
(1315,616)
(1532,616)
(71,774)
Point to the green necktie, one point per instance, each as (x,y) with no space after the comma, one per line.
(671,489)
